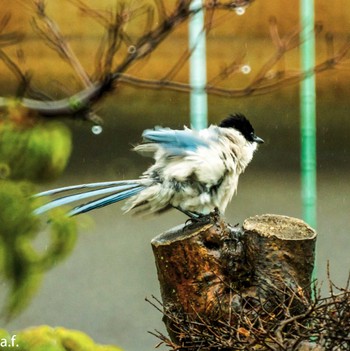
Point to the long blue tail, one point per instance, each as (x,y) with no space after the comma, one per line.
(120,190)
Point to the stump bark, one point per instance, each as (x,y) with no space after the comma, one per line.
(215,271)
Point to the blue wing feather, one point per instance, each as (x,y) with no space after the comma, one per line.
(176,141)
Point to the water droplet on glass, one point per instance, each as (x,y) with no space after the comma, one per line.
(246,69)
(240,11)
(97,129)
(131,49)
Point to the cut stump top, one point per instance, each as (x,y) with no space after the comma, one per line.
(282,227)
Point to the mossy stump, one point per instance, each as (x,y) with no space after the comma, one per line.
(212,271)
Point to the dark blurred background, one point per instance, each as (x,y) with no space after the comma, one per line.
(101,288)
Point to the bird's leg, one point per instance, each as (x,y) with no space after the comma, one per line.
(195,218)
(193,215)
(215,214)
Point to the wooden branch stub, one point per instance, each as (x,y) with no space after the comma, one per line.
(189,264)
(207,270)
(281,250)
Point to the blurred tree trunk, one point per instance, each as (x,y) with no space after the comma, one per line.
(214,272)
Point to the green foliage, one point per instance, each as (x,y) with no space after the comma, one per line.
(22,265)
(45,338)
(33,151)
(30,150)
(36,152)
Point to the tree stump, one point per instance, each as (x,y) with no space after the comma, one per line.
(219,273)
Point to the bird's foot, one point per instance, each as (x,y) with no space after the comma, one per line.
(215,215)
(198,219)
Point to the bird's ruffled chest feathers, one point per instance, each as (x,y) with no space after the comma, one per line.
(236,148)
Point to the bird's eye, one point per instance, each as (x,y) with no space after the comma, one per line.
(252,136)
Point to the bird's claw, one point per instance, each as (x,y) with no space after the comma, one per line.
(198,219)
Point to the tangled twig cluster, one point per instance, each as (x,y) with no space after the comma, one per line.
(322,325)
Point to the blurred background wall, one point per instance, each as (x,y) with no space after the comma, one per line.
(101,288)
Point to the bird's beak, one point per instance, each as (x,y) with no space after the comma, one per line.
(258,140)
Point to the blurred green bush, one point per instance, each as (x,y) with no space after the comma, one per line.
(34,150)
(30,151)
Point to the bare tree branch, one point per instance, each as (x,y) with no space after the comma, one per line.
(54,39)
(119,50)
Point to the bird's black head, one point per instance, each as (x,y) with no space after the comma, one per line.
(241,123)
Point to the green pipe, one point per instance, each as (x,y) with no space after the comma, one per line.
(198,68)
(308,114)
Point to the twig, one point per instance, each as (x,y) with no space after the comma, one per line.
(53,37)
(108,76)
(325,321)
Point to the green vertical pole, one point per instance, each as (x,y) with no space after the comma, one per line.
(198,67)
(308,113)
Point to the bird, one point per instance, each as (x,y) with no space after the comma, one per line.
(194,171)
